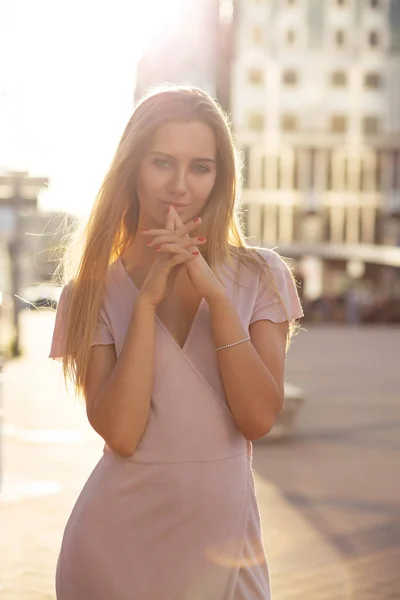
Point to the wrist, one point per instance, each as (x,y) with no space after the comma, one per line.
(144,304)
(218,300)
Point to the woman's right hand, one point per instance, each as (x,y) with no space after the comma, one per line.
(155,285)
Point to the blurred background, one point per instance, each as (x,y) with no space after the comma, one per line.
(313,91)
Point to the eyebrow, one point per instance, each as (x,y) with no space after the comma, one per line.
(210,160)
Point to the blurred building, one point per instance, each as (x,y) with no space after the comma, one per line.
(31,243)
(44,237)
(28,235)
(313,88)
(315,98)
(196,51)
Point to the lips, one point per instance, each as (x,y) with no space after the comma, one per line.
(175,204)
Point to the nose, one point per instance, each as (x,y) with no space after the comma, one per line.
(178,183)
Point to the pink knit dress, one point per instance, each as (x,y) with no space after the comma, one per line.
(178,520)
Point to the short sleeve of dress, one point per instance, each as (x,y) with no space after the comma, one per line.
(268,305)
(102,335)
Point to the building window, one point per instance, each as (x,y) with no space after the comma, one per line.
(371,125)
(372,81)
(289,78)
(289,122)
(290,37)
(338,124)
(256,76)
(257,36)
(256,121)
(373,39)
(340,38)
(339,78)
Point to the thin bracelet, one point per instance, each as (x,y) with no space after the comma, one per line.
(233,344)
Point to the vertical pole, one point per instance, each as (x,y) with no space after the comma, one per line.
(14,249)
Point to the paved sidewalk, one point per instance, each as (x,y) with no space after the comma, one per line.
(336,523)
(49,451)
(329,499)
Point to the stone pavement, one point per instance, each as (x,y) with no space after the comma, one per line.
(336,521)
(329,498)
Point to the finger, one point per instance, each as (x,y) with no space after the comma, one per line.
(172,249)
(167,261)
(179,259)
(153,232)
(193,242)
(183,229)
(181,232)
(179,225)
(190,243)
(173,239)
(189,227)
(177,219)
(164,239)
(170,221)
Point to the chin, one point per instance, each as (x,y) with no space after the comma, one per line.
(153,218)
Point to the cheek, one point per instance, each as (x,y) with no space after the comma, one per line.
(204,186)
(149,181)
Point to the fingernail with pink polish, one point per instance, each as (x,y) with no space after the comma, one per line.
(195,253)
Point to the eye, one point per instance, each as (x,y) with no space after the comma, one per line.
(160,162)
(201,168)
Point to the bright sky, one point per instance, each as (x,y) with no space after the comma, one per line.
(67,87)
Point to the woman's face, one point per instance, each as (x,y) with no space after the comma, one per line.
(178,168)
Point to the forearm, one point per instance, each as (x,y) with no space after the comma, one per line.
(123,405)
(251,391)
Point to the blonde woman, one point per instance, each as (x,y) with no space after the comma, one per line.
(175,333)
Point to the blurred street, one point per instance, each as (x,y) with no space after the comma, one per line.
(329,497)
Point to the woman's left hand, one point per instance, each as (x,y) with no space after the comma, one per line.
(201,275)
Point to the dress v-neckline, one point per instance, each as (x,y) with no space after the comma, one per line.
(159,321)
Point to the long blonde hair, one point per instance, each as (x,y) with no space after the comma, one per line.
(113,220)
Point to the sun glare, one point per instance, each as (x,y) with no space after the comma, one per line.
(66,100)
(155,18)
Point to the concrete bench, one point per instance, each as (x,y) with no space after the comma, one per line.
(286,422)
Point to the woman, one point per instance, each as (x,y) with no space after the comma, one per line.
(175,333)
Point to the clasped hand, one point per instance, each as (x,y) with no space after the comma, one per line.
(175,240)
